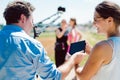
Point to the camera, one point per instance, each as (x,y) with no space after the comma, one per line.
(40,27)
(61,9)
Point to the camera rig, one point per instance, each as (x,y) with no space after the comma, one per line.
(40,27)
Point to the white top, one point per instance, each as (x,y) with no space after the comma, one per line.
(111,71)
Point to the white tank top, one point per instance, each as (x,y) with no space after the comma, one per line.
(111,71)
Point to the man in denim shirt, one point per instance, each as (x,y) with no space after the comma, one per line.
(21,56)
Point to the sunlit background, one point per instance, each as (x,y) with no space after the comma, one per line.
(82,10)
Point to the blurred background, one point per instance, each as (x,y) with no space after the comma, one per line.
(48,15)
(82,10)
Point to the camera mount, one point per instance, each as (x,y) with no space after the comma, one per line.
(40,27)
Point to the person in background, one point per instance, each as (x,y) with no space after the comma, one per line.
(22,57)
(61,43)
(74,35)
(104,60)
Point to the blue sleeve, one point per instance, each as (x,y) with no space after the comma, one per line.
(45,68)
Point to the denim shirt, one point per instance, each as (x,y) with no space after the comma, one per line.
(21,57)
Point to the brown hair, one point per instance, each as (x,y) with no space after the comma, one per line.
(74,20)
(14,10)
(108,9)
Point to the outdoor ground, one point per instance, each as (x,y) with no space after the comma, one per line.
(48,41)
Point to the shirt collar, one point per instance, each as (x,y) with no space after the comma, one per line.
(12,27)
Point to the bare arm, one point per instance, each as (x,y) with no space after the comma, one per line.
(59,33)
(68,65)
(100,55)
(80,35)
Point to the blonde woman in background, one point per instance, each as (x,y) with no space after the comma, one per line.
(61,45)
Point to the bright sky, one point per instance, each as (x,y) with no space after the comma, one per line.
(82,10)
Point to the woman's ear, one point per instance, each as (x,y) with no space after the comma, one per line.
(110,22)
(110,19)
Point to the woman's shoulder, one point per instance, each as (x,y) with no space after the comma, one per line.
(102,51)
(102,45)
(102,48)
